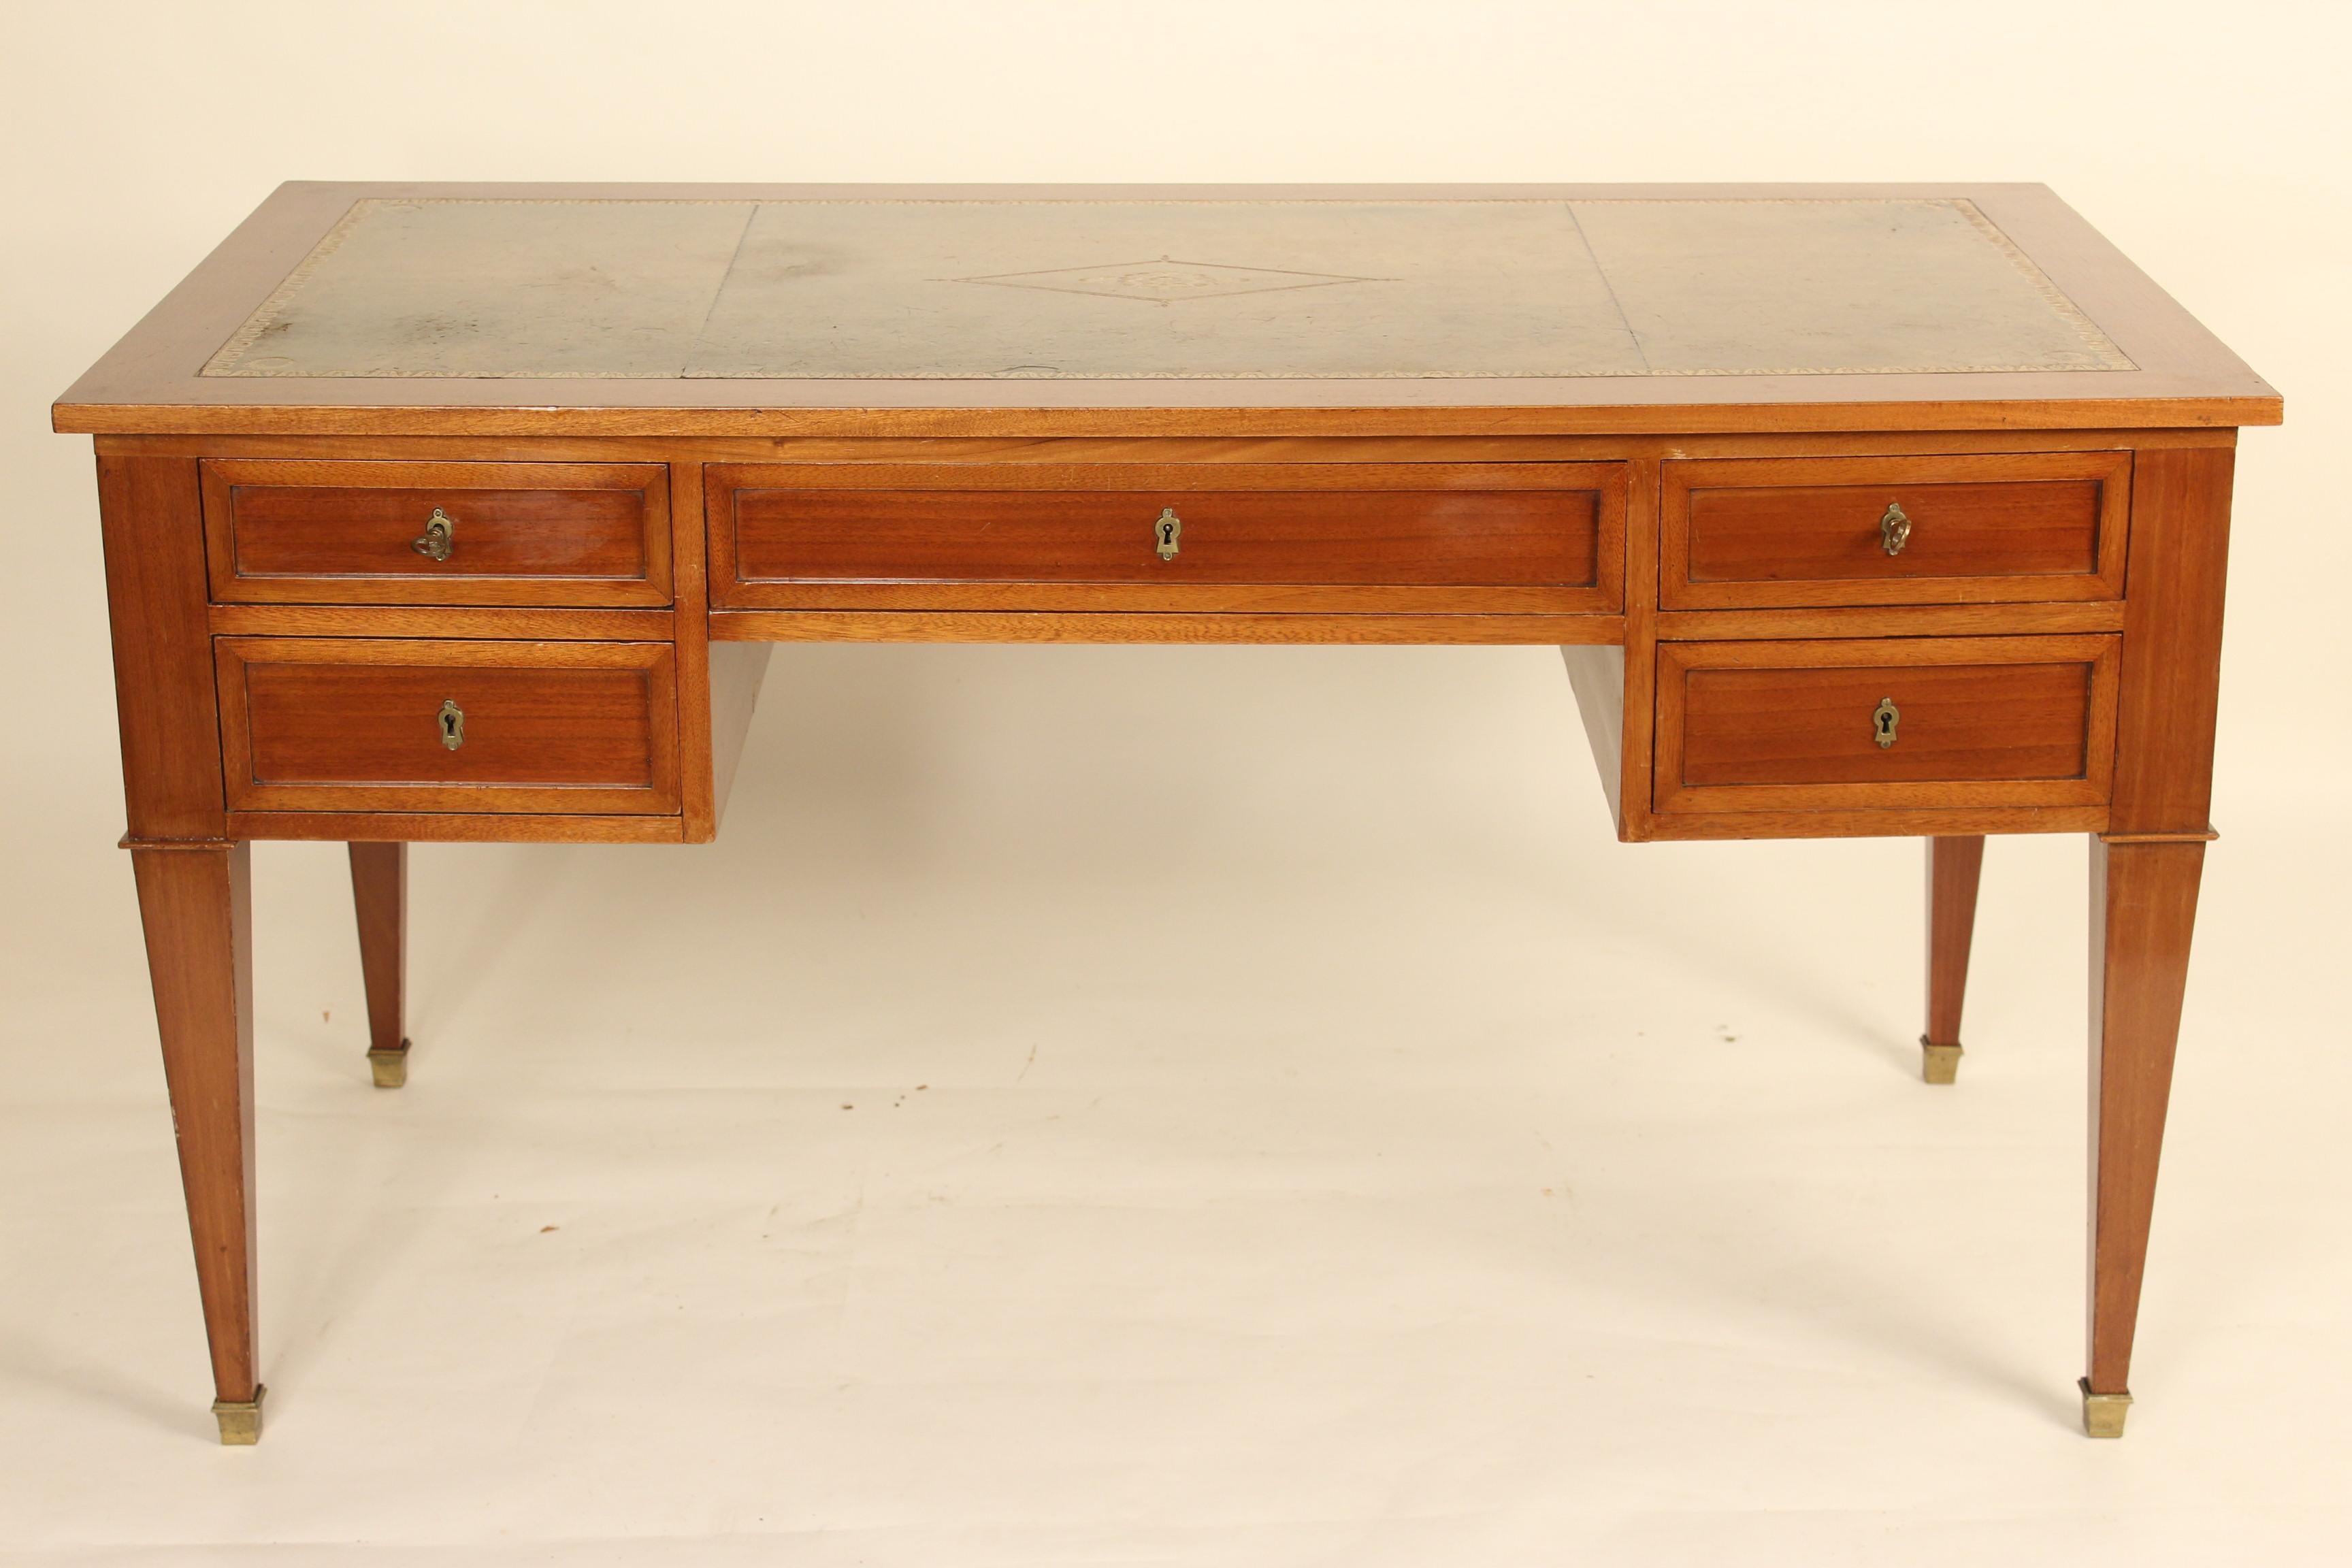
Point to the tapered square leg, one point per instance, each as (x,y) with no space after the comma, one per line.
(2143,909)
(1954,868)
(380,896)
(195,904)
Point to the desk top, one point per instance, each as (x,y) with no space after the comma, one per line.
(981,311)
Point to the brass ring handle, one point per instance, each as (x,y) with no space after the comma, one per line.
(1166,531)
(1883,719)
(1893,530)
(452,719)
(439,536)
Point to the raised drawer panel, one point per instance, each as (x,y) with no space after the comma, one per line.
(1965,721)
(366,724)
(1307,536)
(1984,528)
(584,534)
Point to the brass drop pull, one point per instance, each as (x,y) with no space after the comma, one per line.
(1883,719)
(1893,530)
(1166,531)
(439,537)
(452,719)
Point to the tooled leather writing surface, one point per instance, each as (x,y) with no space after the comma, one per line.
(702,288)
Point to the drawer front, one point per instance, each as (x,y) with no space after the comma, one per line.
(1980,529)
(507,533)
(1966,721)
(363,724)
(1432,537)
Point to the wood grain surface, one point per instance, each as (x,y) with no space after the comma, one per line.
(380,900)
(2171,691)
(1524,538)
(1988,721)
(1016,452)
(446,827)
(340,723)
(2142,913)
(471,622)
(983,626)
(1955,867)
(195,903)
(151,528)
(520,533)
(2144,885)
(1984,528)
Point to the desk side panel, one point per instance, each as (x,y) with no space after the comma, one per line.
(151,520)
(736,670)
(1597,677)
(2172,641)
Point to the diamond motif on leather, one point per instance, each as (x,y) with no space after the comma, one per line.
(1165,280)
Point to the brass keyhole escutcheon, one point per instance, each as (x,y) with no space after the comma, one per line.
(439,537)
(1166,531)
(452,719)
(1883,719)
(1894,529)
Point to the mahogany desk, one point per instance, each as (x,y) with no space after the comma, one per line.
(468,512)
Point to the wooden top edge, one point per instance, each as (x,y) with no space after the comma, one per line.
(1615,419)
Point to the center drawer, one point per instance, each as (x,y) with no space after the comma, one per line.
(1860,724)
(411,725)
(1308,537)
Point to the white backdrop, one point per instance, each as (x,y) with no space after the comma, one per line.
(1190,1106)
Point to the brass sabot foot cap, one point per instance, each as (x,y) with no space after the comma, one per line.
(2102,1414)
(391,1068)
(240,1419)
(1939,1064)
